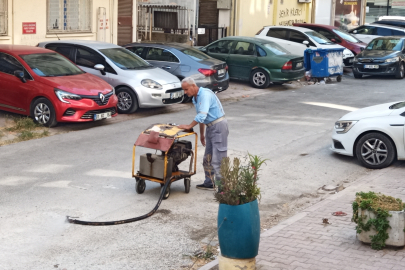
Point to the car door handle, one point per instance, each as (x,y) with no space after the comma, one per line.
(167,67)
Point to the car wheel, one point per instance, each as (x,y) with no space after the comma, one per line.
(401,72)
(43,112)
(357,75)
(127,101)
(375,151)
(259,79)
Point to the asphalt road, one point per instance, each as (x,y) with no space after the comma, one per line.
(88,174)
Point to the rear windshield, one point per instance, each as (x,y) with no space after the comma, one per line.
(385,45)
(275,48)
(321,39)
(51,65)
(398,105)
(195,54)
(125,59)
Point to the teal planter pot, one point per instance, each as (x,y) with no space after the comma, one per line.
(239,230)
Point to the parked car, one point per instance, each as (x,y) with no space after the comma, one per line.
(185,61)
(297,39)
(137,83)
(399,23)
(382,56)
(367,33)
(375,135)
(46,86)
(256,60)
(337,36)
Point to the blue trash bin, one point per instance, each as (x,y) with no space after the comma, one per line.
(324,63)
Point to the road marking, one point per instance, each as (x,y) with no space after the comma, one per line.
(287,122)
(109,173)
(56,184)
(49,168)
(16,180)
(333,106)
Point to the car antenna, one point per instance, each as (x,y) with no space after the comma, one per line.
(57,36)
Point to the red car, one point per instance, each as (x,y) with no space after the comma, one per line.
(336,35)
(48,87)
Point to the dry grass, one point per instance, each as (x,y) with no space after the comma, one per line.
(20,129)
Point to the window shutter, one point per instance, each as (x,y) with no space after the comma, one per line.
(3,17)
(69,15)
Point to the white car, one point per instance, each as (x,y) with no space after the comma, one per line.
(375,135)
(297,39)
(367,33)
(137,83)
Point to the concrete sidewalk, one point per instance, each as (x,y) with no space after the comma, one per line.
(304,242)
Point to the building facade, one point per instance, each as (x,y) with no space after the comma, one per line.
(30,22)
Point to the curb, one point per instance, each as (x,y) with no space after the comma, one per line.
(352,187)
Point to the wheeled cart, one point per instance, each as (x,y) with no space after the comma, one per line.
(163,167)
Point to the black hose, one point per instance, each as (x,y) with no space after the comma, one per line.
(117,222)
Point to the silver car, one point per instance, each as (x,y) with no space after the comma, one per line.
(137,83)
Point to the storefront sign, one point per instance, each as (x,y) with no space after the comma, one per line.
(29,27)
(347,14)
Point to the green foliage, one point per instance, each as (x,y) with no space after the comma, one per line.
(23,123)
(238,184)
(380,205)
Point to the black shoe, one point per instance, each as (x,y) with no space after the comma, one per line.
(202,186)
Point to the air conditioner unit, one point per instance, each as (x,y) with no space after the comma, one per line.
(304,1)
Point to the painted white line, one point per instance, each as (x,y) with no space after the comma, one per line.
(287,122)
(49,168)
(333,106)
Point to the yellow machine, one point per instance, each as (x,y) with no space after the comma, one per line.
(163,168)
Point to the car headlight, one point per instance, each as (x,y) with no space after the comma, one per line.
(63,95)
(344,126)
(392,60)
(151,84)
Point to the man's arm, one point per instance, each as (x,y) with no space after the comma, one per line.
(202,134)
(188,127)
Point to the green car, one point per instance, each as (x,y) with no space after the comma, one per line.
(257,60)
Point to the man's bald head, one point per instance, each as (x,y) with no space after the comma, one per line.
(189,86)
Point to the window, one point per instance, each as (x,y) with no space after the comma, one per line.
(364,30)
(260,51)
(277,33)
(50,65)
(125,59)
(9,64)
(3,17)
(88,58)
(136,50)
(385,45)
(69,16)
(298,37)
(195,54)
(383,31)
(318,38)
(327,34)
(276,49)
(244,48)
(397,33)
(222,46)
(66,51)
(158,54)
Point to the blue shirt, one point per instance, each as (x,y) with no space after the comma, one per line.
(208,106)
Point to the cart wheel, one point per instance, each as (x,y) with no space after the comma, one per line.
(187,181)
(339,78)
(167,193)
(140,186)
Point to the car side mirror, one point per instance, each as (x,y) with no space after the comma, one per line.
(20,74)
(306,42)
(354,31)
(100,67)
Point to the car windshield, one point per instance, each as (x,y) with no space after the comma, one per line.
(319,38)
(195,54)
(385,45)
(346,36)
(51,65)
(275,48)
(125,59)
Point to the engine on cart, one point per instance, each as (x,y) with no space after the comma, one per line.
(180,151)
(153,165)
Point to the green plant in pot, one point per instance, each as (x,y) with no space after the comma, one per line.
(380,219)
(238,215)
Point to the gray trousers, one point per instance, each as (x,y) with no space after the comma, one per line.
(216,148)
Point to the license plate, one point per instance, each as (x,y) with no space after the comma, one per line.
(100,116)
(372,66)
(177,94)
(299,65)
(221,71)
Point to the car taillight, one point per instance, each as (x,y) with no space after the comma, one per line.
(287,66)
(207,72)
(226,67)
